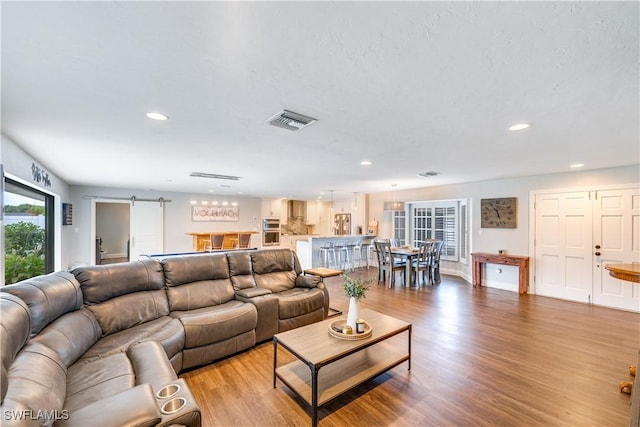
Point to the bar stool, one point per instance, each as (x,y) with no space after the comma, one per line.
(369,250)
(327,252)
(357,250)
(345,257)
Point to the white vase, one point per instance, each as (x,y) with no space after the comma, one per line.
(354,313)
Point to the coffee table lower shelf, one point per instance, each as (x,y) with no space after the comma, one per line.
(364,365)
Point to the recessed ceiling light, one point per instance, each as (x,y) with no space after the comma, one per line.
(157,116)
(520,126)
(365,163)
(577,165)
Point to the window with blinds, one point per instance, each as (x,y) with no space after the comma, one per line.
(437,220)
(400,226)
(445,229)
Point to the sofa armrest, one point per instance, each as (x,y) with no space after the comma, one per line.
(307,281)
(134,407)
(267,306)
(252,292)
(325,291)
(151,365)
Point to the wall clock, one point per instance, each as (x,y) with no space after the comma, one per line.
(498,213)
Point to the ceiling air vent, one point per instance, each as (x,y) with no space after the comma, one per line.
(289,120)
(428,174)
(214,176)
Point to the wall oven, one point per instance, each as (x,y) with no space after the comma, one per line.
(270,232)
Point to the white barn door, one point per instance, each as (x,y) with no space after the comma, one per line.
(616,240)
(147,229)
(563,246)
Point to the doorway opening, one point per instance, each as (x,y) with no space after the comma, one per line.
(112,232)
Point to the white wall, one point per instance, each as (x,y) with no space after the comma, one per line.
(515,241)
(17,165)
(177,218)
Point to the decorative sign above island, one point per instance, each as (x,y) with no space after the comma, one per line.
(214,213)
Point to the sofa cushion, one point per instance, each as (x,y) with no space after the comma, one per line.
(100,283)
(197,281)
(274,269)
(103,377)
(166,330)
(71,335)
(207,353)
(212,324)
(48,297)
(241,270)
(130,310)
(181,269)
(299,301)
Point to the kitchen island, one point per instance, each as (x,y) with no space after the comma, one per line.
(308,250)
(230,239)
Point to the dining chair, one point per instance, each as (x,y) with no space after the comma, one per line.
(422,263)
(387,264)
(216,241)
(436,249)
(378,255)
(243,241)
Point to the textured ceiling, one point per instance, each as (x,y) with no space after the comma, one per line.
(411,87)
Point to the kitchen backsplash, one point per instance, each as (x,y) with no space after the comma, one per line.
(295,226)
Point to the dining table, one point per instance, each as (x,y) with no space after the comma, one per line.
(407,253)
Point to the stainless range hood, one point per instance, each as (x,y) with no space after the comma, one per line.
(296,209)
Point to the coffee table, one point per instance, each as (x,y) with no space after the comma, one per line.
(327,367)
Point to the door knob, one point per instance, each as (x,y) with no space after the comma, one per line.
(597,246)
(597,253)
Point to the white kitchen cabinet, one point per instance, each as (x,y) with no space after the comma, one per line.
(312,212)
(271,208)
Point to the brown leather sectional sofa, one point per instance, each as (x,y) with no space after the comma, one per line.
(103,345)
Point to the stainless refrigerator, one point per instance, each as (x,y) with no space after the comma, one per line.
(342,224)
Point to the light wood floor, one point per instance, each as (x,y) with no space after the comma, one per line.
(480,357)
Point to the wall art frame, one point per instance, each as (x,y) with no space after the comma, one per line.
(499,212)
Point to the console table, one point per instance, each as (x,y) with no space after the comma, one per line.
(629,272)
(522,262)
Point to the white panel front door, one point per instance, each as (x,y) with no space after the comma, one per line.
(616,240)
(147,229)
(563,246)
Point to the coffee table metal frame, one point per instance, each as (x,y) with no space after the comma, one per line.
(315,348)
